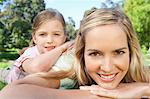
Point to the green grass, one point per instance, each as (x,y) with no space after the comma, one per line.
(146,56)
(9,54)
(6,58)
(2,85)
(4,64)
(147,59)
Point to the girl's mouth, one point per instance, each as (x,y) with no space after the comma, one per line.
(49,48)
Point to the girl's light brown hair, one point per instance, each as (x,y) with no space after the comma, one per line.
(42,17)
(45,15)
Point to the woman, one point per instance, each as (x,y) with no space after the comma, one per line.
(108,55)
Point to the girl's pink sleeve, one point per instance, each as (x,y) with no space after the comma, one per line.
(29,53)
(16,72)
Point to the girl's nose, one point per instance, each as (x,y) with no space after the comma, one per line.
(49,39)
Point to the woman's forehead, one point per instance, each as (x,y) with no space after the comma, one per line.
(106,35)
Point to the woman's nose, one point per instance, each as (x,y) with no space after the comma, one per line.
(107,65)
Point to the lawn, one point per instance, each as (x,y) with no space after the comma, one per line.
(6,59)
(2,85)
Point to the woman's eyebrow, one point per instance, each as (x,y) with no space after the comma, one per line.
(122,48)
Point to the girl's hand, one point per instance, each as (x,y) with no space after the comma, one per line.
(126,90)
(67,46)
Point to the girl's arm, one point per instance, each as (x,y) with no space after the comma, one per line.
(44,62)
(35,79)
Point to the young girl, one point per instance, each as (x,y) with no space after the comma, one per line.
(116,70)
(48,44)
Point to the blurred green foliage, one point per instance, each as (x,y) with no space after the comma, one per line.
(139,13)
(16,20)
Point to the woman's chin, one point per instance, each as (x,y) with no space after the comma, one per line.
(108,86)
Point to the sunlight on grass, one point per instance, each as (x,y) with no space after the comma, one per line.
(4,65)
(146,56)
(2,85)
(147,60)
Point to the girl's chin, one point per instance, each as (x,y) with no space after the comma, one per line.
(47,50)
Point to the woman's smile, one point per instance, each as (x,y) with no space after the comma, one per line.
(107,77)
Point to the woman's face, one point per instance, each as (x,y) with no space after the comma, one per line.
(106,55)
(49,36)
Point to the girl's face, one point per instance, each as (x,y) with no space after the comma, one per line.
(49,36)
(106,55)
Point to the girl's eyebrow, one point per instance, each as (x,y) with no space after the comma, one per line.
(41,31)
(57,31)
(93,50)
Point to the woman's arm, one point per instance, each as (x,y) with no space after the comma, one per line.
(44,62)
(27,91)
(126,90)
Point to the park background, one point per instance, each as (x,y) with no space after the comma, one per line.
(16,18)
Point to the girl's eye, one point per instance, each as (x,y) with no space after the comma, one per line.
(57,34)
(42,34)
(95,54)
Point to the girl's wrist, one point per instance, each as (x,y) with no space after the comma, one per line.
(63,49)
(60,49)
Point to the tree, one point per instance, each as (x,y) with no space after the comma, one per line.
(1,36)
(111,3)
(138,11)
(1,1)
(17,17)
(70,27)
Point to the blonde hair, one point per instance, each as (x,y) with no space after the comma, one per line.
(106,16)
